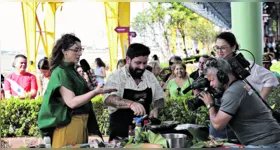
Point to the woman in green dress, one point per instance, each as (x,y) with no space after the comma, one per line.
(176,85)
(66,114)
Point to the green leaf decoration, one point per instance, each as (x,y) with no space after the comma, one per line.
(273,106)
(157,139)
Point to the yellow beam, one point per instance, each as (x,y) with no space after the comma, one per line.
(29,19)
(124,21)
(111,11)
(49,25)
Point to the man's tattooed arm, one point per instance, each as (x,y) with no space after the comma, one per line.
(117,102)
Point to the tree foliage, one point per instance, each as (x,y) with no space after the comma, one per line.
(155,24)
(152,27)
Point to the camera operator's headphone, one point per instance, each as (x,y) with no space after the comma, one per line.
(221,75)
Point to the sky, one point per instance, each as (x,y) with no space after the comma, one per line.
(85,19)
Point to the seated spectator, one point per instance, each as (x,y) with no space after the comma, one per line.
(200,69)
(176,86)
(121,63)
(44,75)
(166,73)
(272,57)
(2,90)
(99,71)
(155,70)
(20,84)
(267,64)
(149,68)
(155,58)
(80,70)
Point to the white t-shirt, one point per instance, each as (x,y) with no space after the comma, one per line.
(261,77)
(121,79)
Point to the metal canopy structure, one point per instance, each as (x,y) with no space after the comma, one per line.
(217,12)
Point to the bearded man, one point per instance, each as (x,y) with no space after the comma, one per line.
(137,90)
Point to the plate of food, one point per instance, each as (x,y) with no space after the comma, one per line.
(211,143)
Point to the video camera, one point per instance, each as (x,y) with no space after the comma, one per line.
(240,69)
(239,65)
(202,84)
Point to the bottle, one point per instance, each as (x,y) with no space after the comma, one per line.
(137,132)
(47,141)
(145,127)
(130,132)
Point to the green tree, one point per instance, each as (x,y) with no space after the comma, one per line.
(152,26)
(180,17)
(202,30)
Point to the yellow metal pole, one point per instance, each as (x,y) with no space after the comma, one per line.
(111,11)
(49,25)
(124,21)
(41,38)
(29,19)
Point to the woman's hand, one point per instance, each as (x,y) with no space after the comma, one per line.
(101,90)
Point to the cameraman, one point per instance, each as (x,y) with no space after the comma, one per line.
(261,79)
(245,113)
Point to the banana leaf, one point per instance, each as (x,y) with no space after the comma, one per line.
(151,137)
(157,139)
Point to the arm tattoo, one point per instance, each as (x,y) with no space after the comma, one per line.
(158,103)
(117,102)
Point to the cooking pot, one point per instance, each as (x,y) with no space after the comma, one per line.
(176,140)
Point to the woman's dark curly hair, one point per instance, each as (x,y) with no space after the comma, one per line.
(100,63)
(64,43)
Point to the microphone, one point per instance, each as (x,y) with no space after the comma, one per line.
(186,90)
(200,82)
(86,68)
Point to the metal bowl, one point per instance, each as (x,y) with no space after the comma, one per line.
(176,140)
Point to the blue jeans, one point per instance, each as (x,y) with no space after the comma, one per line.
(226,133)
(276,145)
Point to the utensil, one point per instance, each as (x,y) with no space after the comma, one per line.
(176,140)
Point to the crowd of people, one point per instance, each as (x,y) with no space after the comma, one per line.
(139,87)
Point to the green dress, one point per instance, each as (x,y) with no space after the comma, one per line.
(53,112)
(173,88)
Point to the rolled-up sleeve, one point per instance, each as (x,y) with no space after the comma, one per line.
(113,82)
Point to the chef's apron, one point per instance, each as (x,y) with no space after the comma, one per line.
(122,118)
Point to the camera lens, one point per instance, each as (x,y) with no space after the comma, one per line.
(195,103)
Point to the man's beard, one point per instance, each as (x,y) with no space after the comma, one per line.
(220,88)
(135,72)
